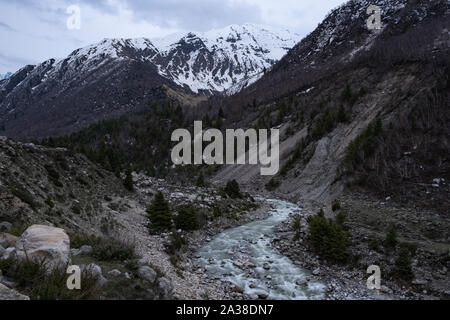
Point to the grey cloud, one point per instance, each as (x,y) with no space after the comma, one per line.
(197,15)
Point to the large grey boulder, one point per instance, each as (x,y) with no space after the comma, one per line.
(147,273)
(44,243)
(9,294)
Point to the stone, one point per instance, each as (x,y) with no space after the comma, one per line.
(115,273)
(2,251)
(263,295)
(9,294)
(44,243)
(166,288)
(301,282)
(252,286)
(83,250)
(147,273)
(8,240)
(237,289)
(96,272)
(419,282)
(5,226)
(9,253)
(316,272)
(386,289)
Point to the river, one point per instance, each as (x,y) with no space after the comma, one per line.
(245,257)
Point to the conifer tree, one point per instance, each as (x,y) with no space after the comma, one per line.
(128,182)
(159,214)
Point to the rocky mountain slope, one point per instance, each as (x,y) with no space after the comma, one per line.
(119,76)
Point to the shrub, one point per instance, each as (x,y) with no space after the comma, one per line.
(391,238)
(232,189)
(113,250)
(79,240)
(159,214)
(200,180)
(336,205)
(49,202)
(25,196)
(272,184)
(128,182)
(187,218)
(402,268)
(36,281)
(329,238)
(374,244)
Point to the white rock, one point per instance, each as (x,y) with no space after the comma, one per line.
(44,243)
(115,273)
(9,294)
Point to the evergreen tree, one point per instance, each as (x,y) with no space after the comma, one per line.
(391,238)
(128,182)
(220,114)
(342,117)
(201,180)
(232,189)
(159,214)
(187,219)
(403,269)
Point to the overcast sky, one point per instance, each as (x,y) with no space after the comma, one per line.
(32,31)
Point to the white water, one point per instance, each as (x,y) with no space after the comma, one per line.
(251,244)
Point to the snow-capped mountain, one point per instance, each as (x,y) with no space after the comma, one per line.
(5,76)
(116,76)
(220,59)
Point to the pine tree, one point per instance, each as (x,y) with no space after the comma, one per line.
(232,189)
(187,219)
(159,214)
(403,269)
(201,180)
(128,182)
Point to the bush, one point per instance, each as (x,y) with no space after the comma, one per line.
(113,250)
(232,189)
(402,268)
(187,218)
(36,281)
(336,205)
(272,184)
(159,214)
(128,182)
(374,244)
(391,238)
(79,240)
(25,196)
(200,180)
(329,238)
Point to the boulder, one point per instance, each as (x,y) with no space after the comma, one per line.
(9,253)
(8,240)
(44,243)
(83,250)
(2,251)
(147,273)
(9,294)
(96,272)
(115,273)
(166,288)
(5,226)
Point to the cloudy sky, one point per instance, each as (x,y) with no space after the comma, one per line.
(32,31)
